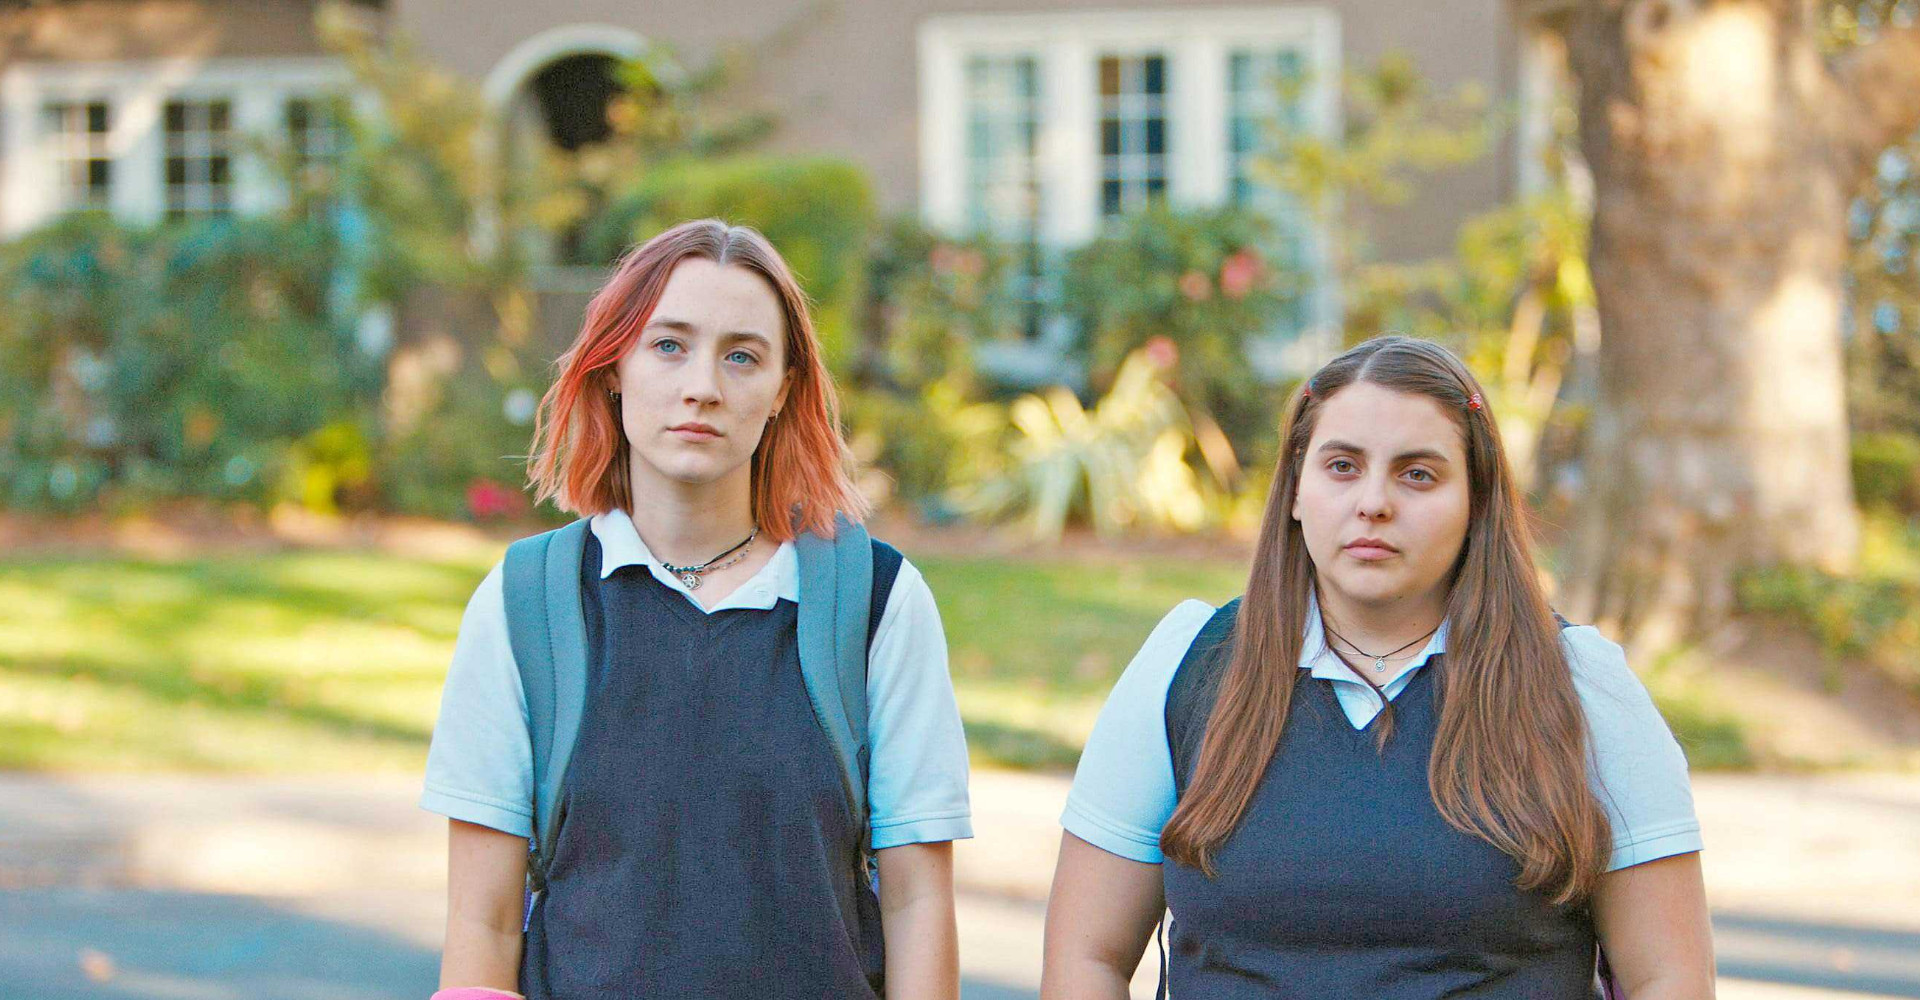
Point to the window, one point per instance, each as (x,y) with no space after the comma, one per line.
(199,157)
(1056,123)
(313,133)
(1133,132)
(1264,91)
(83,165)
(1003,184)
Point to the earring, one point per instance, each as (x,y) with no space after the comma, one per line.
(613,396)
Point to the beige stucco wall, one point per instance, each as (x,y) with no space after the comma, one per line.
(845,81)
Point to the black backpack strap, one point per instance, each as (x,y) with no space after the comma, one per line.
(1195,684)
(886,568)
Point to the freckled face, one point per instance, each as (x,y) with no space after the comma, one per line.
(1383,497)
(699,385)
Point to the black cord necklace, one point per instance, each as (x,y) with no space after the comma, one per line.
(690,575)
(1380,661)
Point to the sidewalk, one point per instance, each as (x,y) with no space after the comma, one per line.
(198,887)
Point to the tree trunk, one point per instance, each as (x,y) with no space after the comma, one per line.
(1723,160)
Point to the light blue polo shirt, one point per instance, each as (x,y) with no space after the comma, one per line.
(1123,792)
(480,766)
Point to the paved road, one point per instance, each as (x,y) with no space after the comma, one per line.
(209,889)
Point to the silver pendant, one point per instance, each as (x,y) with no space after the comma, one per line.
(1379,664)
(692,582)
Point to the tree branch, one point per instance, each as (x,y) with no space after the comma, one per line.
(1880,82)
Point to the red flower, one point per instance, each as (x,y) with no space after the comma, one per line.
(1240,273)
(1162,351)
(487,500)
(1195,287)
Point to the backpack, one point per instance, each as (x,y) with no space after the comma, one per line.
(844,585)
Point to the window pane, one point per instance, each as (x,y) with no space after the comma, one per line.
(1133,132)
(198,168)
(1002,183)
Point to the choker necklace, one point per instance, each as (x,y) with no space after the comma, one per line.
(690,575)
(1380,661)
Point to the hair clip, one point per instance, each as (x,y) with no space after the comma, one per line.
(1474,402)
(1306,390)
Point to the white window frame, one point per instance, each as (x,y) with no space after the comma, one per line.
(1068,46)
(136,93)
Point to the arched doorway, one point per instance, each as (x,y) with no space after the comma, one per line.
(555,90)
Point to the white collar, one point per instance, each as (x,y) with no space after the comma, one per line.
(621,545)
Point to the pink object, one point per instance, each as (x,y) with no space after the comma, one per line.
(476,993)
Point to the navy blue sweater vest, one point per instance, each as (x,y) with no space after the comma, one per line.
(708,848)
(1342,879)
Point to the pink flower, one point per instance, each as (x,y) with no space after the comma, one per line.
(487,500)
(945,259)
(1239,273)
(1195,287)
(1162,351)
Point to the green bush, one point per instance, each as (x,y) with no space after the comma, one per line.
(151,363)
(818,212)
(1872,615)
(935,301)
(1886,471)
(1204,280)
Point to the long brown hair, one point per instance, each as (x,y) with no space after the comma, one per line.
(801,471)
(1509,758)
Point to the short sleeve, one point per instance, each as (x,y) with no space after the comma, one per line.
(1123,791)
(917,774)
(1638,770)
(480,766)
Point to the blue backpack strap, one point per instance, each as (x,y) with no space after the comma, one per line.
(836,588)
(548,633)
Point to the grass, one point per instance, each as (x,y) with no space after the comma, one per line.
(1871,616)
(332,660)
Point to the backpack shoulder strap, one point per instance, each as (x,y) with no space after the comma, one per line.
(886,569)
(833,658)
(548,633)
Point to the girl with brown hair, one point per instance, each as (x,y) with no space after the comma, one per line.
(1389,770)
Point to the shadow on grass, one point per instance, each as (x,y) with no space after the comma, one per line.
(266,699)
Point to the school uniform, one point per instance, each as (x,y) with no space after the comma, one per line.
(1342,879)
(708,847)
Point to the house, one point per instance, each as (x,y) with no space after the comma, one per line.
(1034,120)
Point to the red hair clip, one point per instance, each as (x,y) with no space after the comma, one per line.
(1474,402)
(1306,390)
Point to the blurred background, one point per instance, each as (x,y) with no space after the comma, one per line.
(284,279)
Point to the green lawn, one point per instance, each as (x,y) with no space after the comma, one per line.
(331,660)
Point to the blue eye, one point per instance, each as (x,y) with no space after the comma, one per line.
(742,358)
(667,346)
